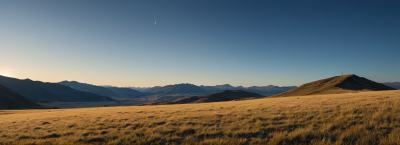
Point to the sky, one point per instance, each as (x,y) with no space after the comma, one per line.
(146,43)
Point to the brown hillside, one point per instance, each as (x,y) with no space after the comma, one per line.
(226,95)
(336,85)
(12,100)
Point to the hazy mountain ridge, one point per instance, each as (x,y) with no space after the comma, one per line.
(395,85)
(125,92)
(177,89)
(191,88)
(109,91)
(88,88)
(271,89)
(49,92)
(12,100)
(140,89)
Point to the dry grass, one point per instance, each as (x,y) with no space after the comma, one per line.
(355,118)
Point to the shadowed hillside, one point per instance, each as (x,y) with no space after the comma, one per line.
(49,92)
(226,95)
(103,90)
(88,88)
(12,100)
(336,85)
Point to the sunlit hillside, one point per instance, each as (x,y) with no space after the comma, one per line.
(353,118)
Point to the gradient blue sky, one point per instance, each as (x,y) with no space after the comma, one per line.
(203,42)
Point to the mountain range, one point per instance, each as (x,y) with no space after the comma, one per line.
(72,91)
(268,90)
(109,91)
(336,85)
(177,89)
(190,88)
(42,92)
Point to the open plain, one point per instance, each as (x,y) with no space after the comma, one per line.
(353,118)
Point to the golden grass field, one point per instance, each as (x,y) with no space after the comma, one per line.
(354,118)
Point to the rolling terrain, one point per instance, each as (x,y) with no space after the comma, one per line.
(41,92)
(12,100)
(352,118)
(336,85)
(226,95)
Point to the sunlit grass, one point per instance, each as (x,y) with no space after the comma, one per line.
(354,118)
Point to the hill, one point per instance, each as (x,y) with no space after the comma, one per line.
(49,92)
(336,85)
(177,89)
(12,100)
(226,95)
(395,85)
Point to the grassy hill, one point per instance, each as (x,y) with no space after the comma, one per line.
(12,100)
(336,85)
(226,95)
(352,118)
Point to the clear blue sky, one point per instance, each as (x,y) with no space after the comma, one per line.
(203,42)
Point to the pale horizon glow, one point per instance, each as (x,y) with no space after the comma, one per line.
(5,74)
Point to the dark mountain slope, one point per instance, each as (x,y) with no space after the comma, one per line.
(336,85)
(12,100)
(226,95)
(49,92)
(88,88)
(103,90)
